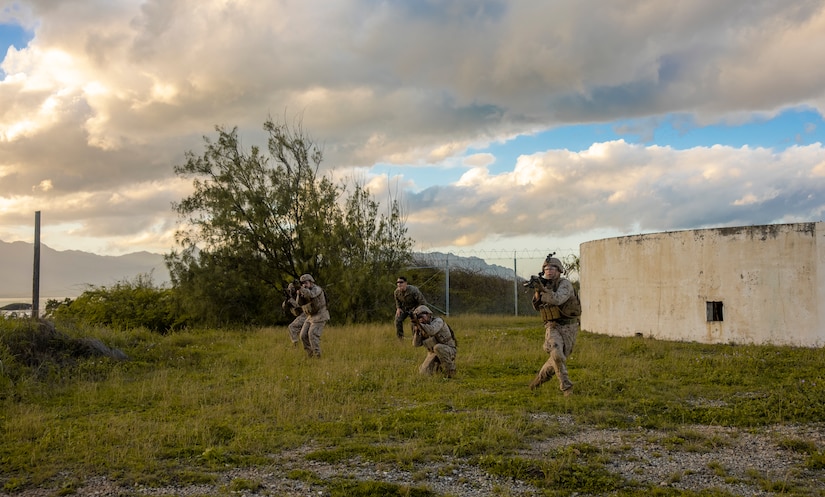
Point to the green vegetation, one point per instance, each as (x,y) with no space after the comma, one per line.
(257,218)
(125,305)
(260,217)
(189,404)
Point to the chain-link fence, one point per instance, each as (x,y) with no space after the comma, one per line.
(488,282)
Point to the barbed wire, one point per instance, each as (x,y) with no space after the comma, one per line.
(506,254)
(522,262)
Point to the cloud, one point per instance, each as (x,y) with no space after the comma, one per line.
(623,187)
(108,96)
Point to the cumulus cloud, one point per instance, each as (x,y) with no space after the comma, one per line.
(107,97)
(625,187)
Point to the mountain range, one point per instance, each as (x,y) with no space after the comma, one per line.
(69,273)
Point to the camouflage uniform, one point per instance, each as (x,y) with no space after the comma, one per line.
(291,305)
(559,331)
(406,301)
(314,303)
(439,339)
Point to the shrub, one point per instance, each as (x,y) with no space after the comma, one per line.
(126,305)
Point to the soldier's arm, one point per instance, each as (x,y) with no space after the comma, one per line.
(431,328)
(560,296)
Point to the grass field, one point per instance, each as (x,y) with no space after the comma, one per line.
(189,404)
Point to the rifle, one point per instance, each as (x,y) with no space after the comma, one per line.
(290,294)
(415,323)
(536,282)
(418,340)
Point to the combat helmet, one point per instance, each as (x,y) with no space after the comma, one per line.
(307,277)
(551,260)
(422,309)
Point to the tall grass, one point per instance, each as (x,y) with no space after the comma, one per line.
(191,402)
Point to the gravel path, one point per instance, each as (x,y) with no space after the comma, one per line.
(696,458)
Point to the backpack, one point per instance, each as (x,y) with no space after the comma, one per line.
(455,341)
(572,308)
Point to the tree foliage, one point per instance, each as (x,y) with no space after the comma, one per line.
(257,219)
(125,305)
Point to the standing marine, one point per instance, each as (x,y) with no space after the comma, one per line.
(432,332)
(407,298)
(557,301)
(313,301)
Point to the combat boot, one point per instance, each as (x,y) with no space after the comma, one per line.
(542,376)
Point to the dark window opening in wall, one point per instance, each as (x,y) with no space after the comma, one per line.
(714,311)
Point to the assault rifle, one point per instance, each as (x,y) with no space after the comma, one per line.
(291,294)
(537,281)
(533,282)
(415,322)
(416,327)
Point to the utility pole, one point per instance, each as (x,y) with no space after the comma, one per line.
(36,276)
(515,284)
(447,283)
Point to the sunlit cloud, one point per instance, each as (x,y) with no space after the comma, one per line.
(97,109)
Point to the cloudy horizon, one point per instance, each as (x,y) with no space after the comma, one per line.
(498,125)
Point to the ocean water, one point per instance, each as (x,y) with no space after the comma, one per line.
(4,301)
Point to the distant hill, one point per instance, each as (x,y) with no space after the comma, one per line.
(69,273)
(474,264)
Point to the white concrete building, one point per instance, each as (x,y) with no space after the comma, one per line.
(750,284)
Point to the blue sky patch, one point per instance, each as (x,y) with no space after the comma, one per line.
(12,35)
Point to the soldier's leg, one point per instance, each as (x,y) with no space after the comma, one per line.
(399,324)
(560,365)
(565,343)
(305,339)
(545,373)
(315,337)
(430,364)
(569,337)
(446,355)
(295,328)
(548,369)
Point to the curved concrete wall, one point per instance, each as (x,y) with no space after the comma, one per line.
(753,284)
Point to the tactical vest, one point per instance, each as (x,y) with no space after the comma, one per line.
(444,336)
(313,305)
(570,309)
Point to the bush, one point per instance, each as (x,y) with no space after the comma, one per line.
(126,305)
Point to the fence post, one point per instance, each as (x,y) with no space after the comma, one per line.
(447,283)
(515,284)
(36,272)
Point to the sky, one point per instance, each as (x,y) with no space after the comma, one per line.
(501,127)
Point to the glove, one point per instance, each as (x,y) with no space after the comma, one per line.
(535,282)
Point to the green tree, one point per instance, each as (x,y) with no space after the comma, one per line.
(256,220)
(127,304)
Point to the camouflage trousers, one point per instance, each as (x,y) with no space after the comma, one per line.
(399,323)
(559,340)
(295,328)
(440,357)
(311,337)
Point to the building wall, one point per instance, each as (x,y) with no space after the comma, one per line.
(770,281)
